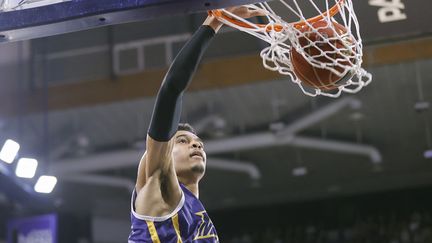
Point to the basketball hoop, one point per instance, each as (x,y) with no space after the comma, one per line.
(321,52)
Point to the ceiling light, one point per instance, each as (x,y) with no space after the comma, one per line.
(45,184)
(428,154)
(9,151)
(299,171)
(26,168)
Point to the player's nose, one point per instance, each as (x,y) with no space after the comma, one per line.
(196,145)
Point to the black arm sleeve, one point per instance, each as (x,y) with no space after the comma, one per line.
(167,110)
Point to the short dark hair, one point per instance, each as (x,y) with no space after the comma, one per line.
(186,127)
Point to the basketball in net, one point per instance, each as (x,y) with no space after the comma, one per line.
(320,42)
(321,51)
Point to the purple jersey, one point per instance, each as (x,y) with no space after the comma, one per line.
(189,222)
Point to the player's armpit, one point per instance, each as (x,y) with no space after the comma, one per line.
(157,187)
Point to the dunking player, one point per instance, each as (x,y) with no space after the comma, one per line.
(165,205)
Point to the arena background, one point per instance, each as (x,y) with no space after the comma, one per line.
(281,165)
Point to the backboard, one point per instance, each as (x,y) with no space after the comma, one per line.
(28,19)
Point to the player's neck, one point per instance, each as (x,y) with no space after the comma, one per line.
(191,185)
(193,188)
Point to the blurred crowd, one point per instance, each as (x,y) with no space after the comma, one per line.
(414,227)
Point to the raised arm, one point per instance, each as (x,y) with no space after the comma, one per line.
(167,109)
(157,186)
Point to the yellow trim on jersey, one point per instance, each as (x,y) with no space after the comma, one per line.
(177,227)
(153,233)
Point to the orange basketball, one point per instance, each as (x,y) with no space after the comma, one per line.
(315,77)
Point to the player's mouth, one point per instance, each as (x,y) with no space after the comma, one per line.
(197,154)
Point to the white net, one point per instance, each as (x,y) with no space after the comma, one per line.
(320,49)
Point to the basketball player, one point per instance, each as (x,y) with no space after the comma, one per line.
(165,205)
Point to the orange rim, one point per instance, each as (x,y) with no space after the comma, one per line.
(298,25)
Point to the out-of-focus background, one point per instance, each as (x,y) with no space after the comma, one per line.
(282,167)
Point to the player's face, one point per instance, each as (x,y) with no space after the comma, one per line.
(188,154)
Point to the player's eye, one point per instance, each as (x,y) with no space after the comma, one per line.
(182,140)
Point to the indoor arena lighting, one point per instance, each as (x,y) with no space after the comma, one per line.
(9,151)
(299,171)
(428,154)
(26,168)
(45,184)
